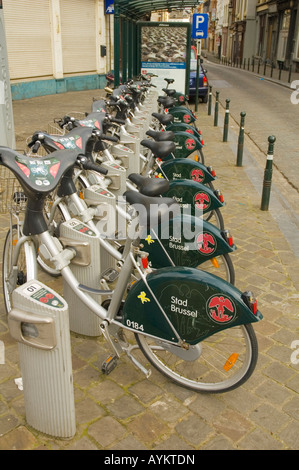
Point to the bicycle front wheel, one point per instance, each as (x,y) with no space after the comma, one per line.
(14,275)
(224,361)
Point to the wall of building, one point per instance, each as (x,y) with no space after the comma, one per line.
(54,46)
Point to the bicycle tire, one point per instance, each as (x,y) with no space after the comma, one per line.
(224,268)
(27,269)
(218,216)
(205,377)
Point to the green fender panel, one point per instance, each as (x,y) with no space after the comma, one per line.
(185,169)
(194,198)
(182,126)
(196,303)
(186,144)
(184,241)
(182,114)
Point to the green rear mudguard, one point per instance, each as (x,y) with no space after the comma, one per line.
(184,241)
(185,169)
(182,114)
(182,126)
(185,144)
(194,198)
(196,304)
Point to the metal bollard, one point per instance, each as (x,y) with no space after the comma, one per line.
(216,109)
(226,121)
(241,140)
(290,73)
(210,101)
(268,175)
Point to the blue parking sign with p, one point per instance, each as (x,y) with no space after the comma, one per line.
(200,25)
(109,7)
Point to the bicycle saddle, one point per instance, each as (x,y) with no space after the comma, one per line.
(164,119)
(38,177)
(161,136)
(159,149)
(169,80)
(169,92)
(167,101)
(149,186)
(152,210)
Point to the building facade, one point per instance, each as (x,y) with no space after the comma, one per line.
(57,45)
(247,29)
(278,32)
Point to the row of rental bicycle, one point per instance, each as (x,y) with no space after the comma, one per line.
(120,203)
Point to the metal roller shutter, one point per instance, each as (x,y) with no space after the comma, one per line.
(78,29)
(28,37)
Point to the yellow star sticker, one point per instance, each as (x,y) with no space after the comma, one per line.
(143,297)
(149,240)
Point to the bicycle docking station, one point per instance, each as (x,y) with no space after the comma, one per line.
(39,322)
(124,153)
(87,268)
(131,137)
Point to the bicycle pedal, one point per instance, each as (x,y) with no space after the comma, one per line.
(109,364)
(110,275)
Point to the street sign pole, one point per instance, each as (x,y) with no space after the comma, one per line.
(199,31)
(197,72)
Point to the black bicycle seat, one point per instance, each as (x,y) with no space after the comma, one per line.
(169,80)
(161,136)
(152,210)
(159,149)
(167,101)
(38,176)
(149,186)
(169,92)
(164,119)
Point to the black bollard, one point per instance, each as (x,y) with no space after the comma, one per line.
(210,101)
(241,140)
(268,175)
(216,109)
(226,121)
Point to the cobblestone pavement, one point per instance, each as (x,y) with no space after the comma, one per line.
(126,411)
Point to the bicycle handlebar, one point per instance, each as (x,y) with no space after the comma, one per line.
(88,165)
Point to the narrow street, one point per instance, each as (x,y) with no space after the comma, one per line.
(269,111)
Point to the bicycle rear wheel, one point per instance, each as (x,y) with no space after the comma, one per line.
(24,270)
(224,361)
(221,266)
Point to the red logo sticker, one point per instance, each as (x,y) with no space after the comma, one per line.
(221,309)
(202,201)
(197,175)
(206,243)
(24,169)
(187,118)
(79,142)
(59,145)
(54,169)
(190,144)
